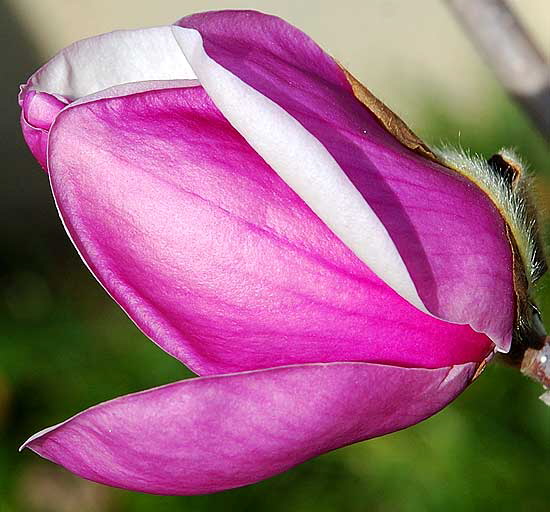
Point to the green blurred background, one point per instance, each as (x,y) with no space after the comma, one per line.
(65,345)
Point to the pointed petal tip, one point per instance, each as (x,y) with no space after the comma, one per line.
(37,435)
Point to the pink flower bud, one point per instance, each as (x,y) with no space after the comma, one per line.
(224,183)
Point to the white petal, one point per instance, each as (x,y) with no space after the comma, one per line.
(120,57)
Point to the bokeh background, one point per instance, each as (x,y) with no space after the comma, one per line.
(64,345)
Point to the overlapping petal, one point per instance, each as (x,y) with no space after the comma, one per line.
(220,262)
(277,137)
(430,212)
(213,433)
(416,200)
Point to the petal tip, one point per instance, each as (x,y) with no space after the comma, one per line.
(37,435)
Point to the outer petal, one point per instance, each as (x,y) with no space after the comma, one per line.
(115,64)
(213,256)
(208,434)
(449,234)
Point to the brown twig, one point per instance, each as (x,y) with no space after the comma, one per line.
(514,58)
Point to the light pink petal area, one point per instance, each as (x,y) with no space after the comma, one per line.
(214,256)
(449,234)
(209,434)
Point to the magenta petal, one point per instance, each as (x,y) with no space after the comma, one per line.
(208,434)
(38,111)
(449,234)
(220,262)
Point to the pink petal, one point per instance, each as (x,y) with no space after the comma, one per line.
(208,434)
(449,234)
(127,62)
(38,111)
(214,256)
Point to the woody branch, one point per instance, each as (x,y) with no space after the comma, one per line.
(512,55)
